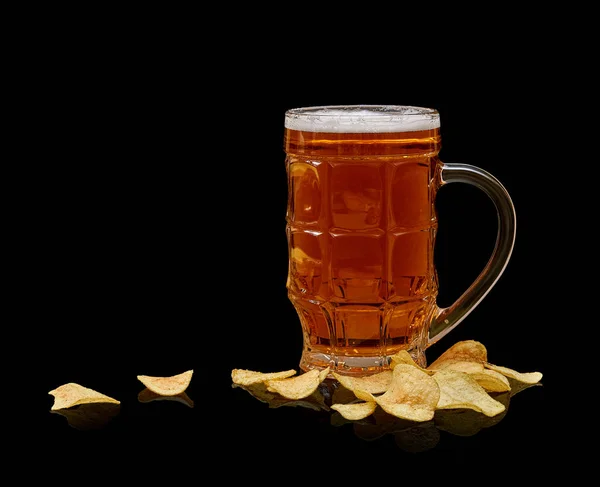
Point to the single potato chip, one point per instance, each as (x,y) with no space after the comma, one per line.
(167,386)
(355,411)
(464,351)
(403,357)
(460,390)
(413,394)
(71,394)
(375,383)
(300,386)
(244,377)
(525,377)
(490,380)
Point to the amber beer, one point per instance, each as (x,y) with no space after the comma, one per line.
(361,226)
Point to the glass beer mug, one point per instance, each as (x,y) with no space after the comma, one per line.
(361,226)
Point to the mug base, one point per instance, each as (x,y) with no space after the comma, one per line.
(353,365)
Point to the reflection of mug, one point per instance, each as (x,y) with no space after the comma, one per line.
(361,227)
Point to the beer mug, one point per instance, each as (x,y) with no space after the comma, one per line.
(361,226)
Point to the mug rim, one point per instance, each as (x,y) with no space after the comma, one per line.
(361,118)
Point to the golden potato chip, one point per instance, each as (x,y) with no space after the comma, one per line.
(244,377)
(403,357)
(355,411)
(526,377)
(464,351)
(460,365)
(167,386)
(413,394)
(375,383)
(71,394)
(300,386)
(490,380)
(460,390)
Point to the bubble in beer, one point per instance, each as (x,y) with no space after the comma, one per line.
(362,119)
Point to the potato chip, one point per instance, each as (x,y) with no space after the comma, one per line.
(355,411)
(167,386)
(71,394)
(375,383)
(300,386)
(244,377)
(403,357)
(490,380)
(525,377)
(460,390)
(413,394)
(464,351)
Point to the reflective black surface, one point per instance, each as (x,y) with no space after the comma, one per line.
(157,245)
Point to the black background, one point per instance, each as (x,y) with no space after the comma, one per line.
(155,242)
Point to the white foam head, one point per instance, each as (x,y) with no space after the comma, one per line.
(362,118)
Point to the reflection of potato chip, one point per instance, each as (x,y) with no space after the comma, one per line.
(355,411)
(300,386)
(314,401)
(413,394)
(167,386)
(92,416)
(418,438)
(246,377)
(526,377)
(258,390)
(146,395)
(464,351)
(71,394)
(460,390)
(375,383)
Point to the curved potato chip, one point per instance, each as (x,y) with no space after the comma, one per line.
(355,411)
(375,384)
(461,365)
(403,357)
(300,386)
(413,394)
(244,377)
(460,390)
(167,386)
(72,394)
(464,351)
(490,380)
(526,377)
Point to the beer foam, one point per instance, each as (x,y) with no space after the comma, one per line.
(362,119)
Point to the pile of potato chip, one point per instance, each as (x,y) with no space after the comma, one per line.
(460,378)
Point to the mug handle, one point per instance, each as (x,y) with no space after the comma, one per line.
(447,319)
